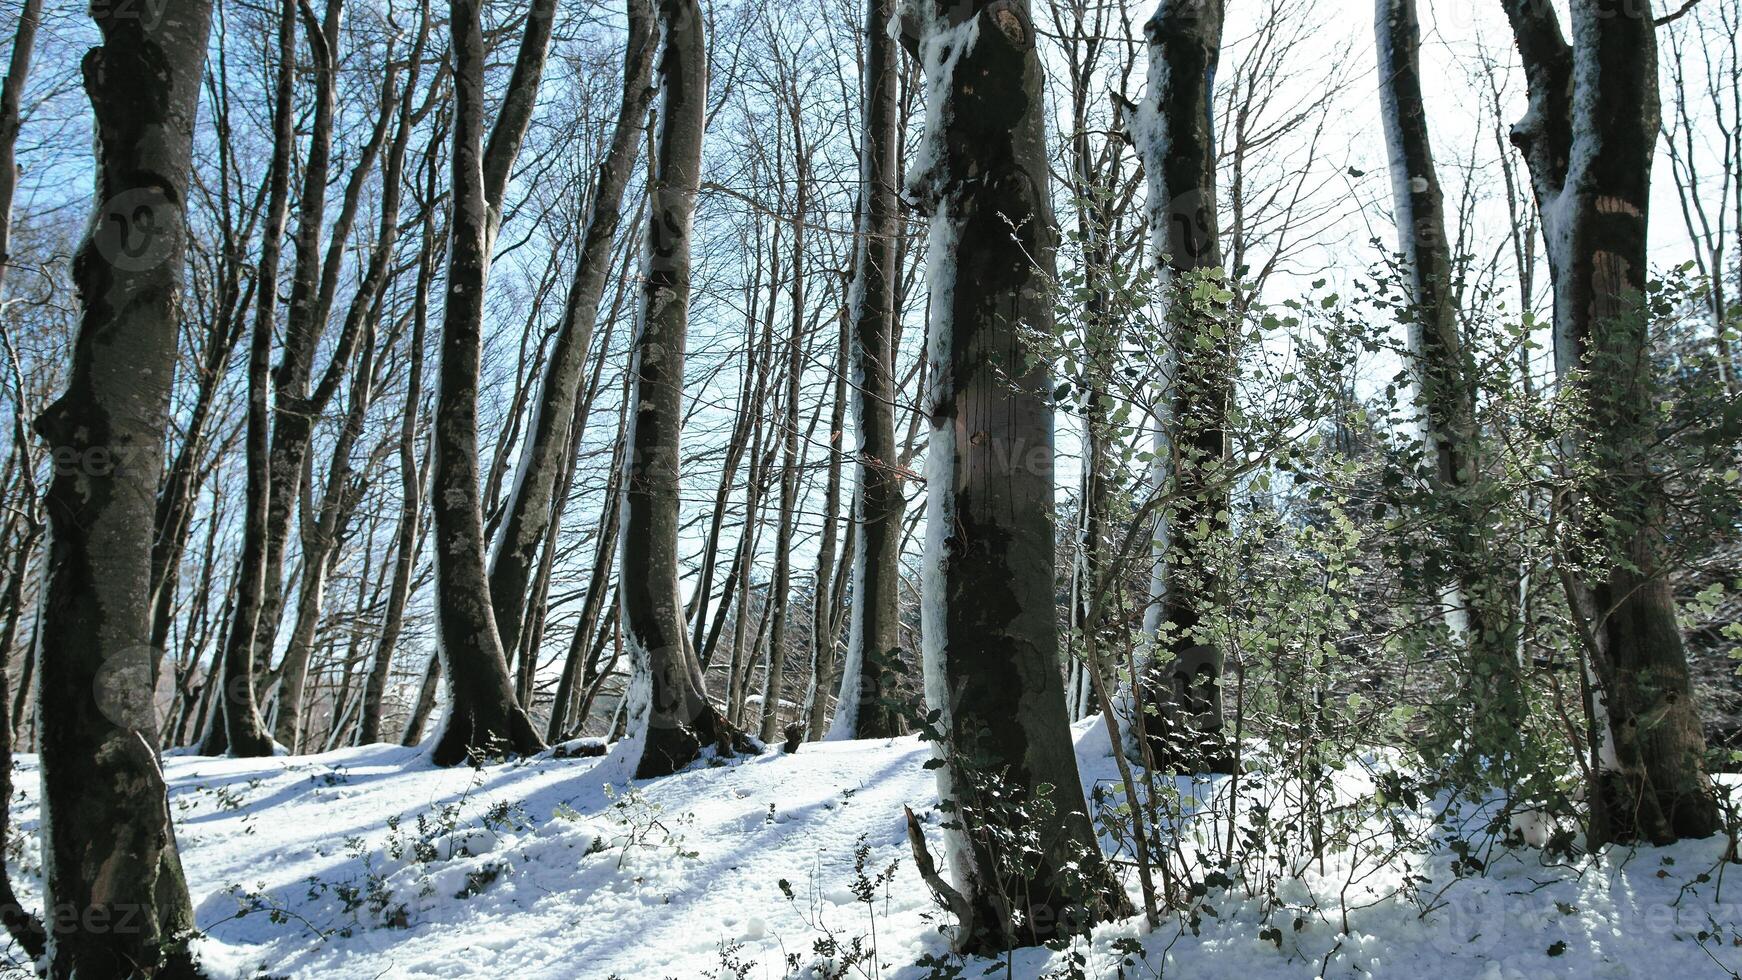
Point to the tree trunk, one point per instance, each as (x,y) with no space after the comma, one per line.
(825,624)
(243,732)
(411,476)
(545,452)
(670,720)
(1588,140)
(991,639)
(564,705)
(23,926)
(791,462)
(112,870)
(341,496)
(425,703)
(1446,394)
(743,654)
(866,704)
(321,549)
(294,408)
(1175,135)
(483,716)
(11,94)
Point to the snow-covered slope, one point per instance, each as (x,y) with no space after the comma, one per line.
(371,863)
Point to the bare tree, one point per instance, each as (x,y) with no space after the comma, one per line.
(1175,136)
(242,731)
(110,843)
(669,719)
(864,707)
(1444,370)
(1588,141)
(412,477)
(1698,137)
(546,454)
(24,927)
(989,626)
(320,538)
(483,713)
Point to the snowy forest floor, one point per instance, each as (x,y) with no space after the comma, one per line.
(371,863)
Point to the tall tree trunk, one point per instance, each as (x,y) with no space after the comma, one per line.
(1095,179)
(865,706)
(181,486)
(1445,384)
(1588,140)
(791,460)
(483,715)
(321,550)
(564,705)
(294,407)
(320,539)
(825,624)
(669,717)
(243,732)
(991,638)
(112,869)
(745,416)
(1176,137)
(545,452)
(24,928)
(411,476)
(743,641)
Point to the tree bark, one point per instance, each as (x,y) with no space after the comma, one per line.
(1177,140)
(670,720)
(483,716)
(866,704)
(990,635)
(1588,140)
(112,869)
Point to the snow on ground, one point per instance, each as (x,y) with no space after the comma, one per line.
(370,863)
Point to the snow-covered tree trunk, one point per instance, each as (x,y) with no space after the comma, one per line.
(865,705)
(482,715)
(991,640)
(113,876)
(1175,133)
(1588,139)
(1483,591)
(670,720)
